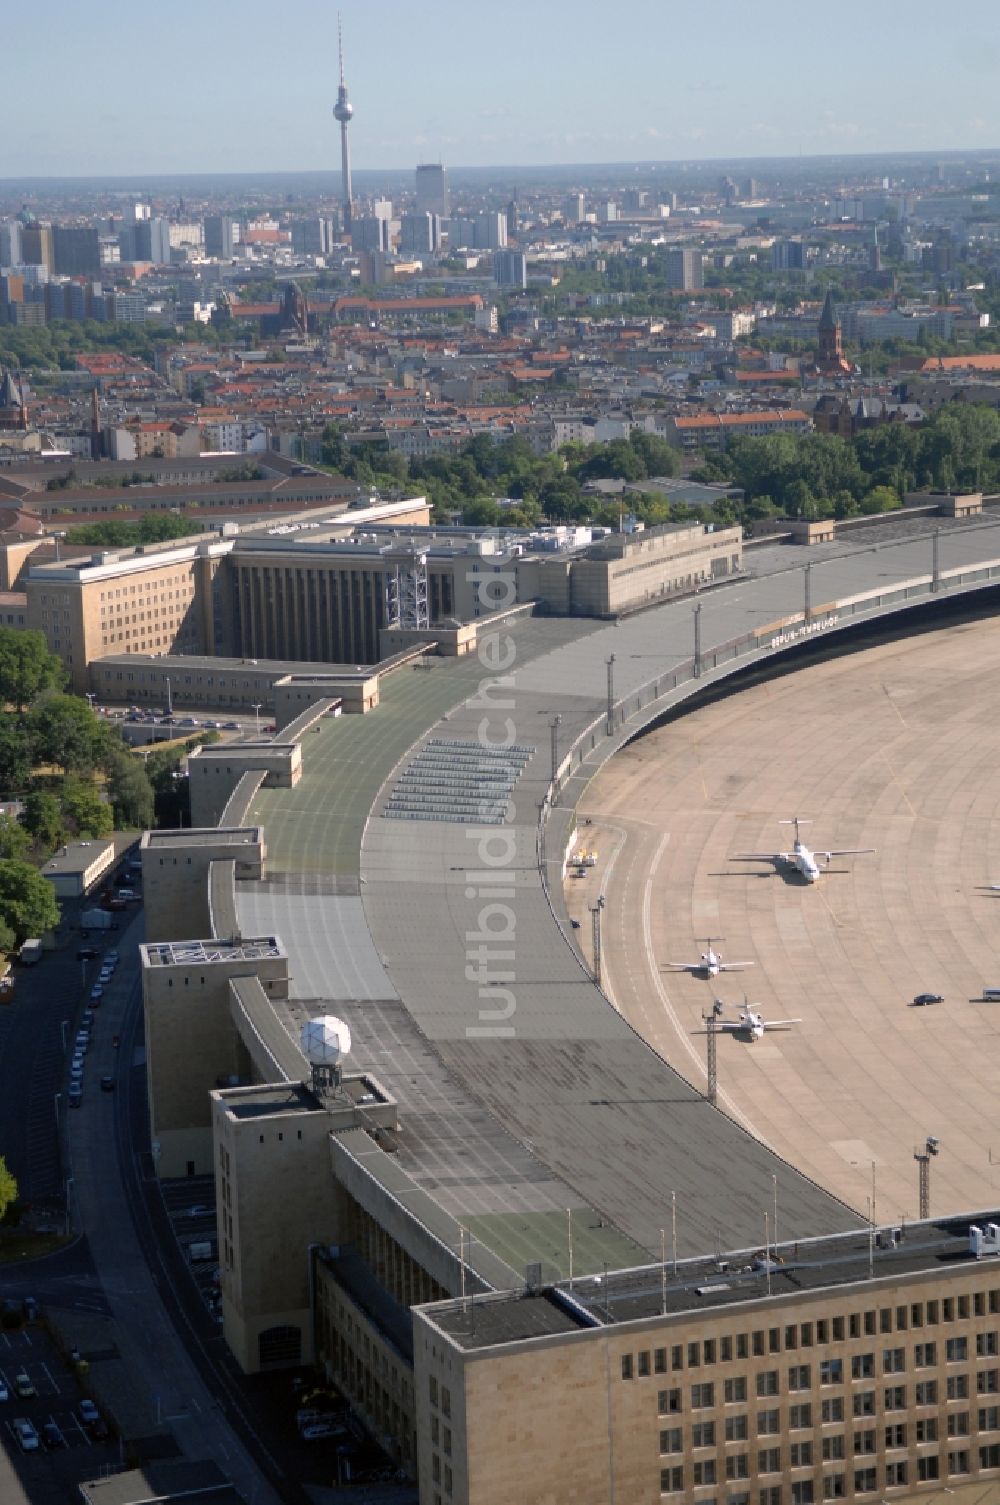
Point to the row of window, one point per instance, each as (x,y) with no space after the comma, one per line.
(801,1453)
(833,1486)
(794,1336)
(863,1402)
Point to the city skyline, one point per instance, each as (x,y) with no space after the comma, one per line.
(545,92)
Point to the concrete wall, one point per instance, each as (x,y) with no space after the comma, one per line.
(175,876)
(214,772)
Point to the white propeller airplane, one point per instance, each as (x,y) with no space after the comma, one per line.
(749,1023)
(711,963)
(806,862)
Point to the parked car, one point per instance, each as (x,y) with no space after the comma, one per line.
(23,1385)
(4,1392)
(97,991)
(923,999)
(107,1084)
(52,1437)
(75,1094)
(30,1306)
(27,1437)
(86,954)
(231,726)
(87,1412)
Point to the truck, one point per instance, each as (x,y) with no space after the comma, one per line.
(96,919)
(30,952)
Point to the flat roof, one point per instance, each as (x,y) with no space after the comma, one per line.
(77,857)
(281,1097)
(207,836)
(729,1280)
(205,953)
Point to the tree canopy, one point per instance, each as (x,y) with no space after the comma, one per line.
(26,666)
(28,903)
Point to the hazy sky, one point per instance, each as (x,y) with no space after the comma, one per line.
(244,85)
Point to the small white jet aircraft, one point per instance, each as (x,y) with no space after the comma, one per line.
(711,963)
(749,1023)
(808,863)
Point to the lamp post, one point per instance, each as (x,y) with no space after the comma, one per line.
(923,1159)
(170,703)
(595,922)
(697,640)
(256,707)
(611,696)
(554,725)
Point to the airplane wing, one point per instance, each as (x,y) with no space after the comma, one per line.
(780,1023)
(734,966)
(844,852)
(761,857)
(683,966)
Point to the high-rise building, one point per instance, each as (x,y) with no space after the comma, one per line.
(36,246)
(491,231)
(342,111)
(159,241)
(574,208)
(77,249)
(370,232)
(510,269)
(432,189)
(788,255)
(312,237)
(419,234)
(219,236)
(461,232)
(684,269)
(10,243)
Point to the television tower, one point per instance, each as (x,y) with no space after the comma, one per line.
(343,110)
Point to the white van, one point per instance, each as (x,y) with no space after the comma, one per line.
(991,995)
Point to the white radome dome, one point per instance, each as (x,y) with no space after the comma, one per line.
(325,1041)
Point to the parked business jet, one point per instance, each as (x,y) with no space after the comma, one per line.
(806,862)
(749,1022)
(711,963)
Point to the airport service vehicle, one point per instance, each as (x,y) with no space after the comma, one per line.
(710,965)
(801,859)
(749,1024)
(96,919)
(923,999)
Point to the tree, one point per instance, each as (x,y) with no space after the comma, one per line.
(8,1189)
(8,940)
(15,755)
(64,730)
(27,900)
(14,841)
(26,667)
(83,807)
(879,499)
(129,789)
(42,819)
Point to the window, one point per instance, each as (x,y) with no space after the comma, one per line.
(802,1492)
(800,1416)
(677,1357)
(989,1456)
(958,1463)
(834,1486)
(768,1423)
(832,1409)
(864,1442)
(767,1382)
(925,1355)
(770,1495)
(989,1418)
(668,1402)
(831,1372)
(927,1468)
(957,1387)
(769,1461)
(986,1345)
(704,1472)
(445,1400)
(725,1350)
(988,1381)
(925,1393)
(894,1361)
(702,1396)
(672,1440)
(644,1364)
(895,1435)
(626,1366)
(758,1343)
(895,1398)
(833,1448)
(694,1355)
(799,1377)
(864,1403)
(737,1428)
(671,1480)
(895,1472)
(736,1391)
(863,1366)
(956,1350)
(738,1466)
(865,1480)
(791,1339)
(958,1424)
(660,1361)
(800,1455)
(703,1434)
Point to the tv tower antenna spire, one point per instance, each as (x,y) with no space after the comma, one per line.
(343,111)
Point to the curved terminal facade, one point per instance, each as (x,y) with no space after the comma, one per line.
(506,1230)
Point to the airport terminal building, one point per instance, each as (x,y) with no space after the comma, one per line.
(530,1253)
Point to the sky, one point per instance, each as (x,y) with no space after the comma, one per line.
(249,86)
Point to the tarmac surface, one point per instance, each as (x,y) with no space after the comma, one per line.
(895,747)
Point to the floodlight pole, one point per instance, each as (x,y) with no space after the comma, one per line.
(595,921)
(611,696)
(697,640)
(807,613)
(712,1089)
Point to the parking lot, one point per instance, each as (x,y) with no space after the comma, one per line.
(190,1205)
(29,1354)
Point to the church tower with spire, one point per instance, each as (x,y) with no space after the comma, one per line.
(830,359)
